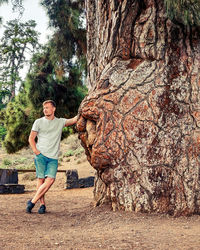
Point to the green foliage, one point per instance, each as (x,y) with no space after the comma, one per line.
(7,162)
(2,132)
(69,153)
(67,131)
(4,97)
(17,40)
(70,36)
(45,82)
(21,163)
(75,148)
(79,151)
(184,11)
(18,119)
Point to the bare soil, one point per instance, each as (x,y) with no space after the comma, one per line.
(72,222)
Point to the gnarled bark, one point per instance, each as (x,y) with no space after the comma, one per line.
(140,123)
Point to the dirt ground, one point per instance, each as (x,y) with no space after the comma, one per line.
(72,222)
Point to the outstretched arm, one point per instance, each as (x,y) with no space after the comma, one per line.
(71,121)
(32,143)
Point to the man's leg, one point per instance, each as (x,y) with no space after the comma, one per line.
(40,164)
(40,181)
(43,189)
(44,166)
(50,172)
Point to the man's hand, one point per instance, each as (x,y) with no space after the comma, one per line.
(36,152)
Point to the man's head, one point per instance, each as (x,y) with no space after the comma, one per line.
(49,108)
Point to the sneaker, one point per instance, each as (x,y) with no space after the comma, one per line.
(29,207)
(42,209)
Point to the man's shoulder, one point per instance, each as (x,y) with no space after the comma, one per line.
(37,124)
(60,119)
(39,119)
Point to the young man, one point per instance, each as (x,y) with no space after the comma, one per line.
(48,130)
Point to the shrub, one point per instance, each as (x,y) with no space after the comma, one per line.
(2,132)
(69,153)
(7,162)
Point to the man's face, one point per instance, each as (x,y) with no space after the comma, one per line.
(48,109)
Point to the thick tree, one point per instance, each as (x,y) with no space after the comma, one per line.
(140,123)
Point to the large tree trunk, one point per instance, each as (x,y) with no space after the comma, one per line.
(140,123)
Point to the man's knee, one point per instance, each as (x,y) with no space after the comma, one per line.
(50,180)
(41,180)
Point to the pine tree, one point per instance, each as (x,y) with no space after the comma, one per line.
(140,122)
(18,40)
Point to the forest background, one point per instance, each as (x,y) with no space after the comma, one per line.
(54,70)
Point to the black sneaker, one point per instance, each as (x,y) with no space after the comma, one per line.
(29,207)
(42,209)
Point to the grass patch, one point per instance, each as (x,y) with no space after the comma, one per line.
(31,166)
(20,161)
(7,162)
(79,151)
(74,147)
(69,153)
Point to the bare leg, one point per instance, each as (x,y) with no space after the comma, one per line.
(43,189)
(39,183)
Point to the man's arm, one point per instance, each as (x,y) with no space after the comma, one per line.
(71,121)
(32,142)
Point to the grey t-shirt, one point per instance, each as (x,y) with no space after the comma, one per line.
(49,135)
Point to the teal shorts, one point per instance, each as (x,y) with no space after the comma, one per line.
(45,167)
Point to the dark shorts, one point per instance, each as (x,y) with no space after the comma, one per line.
(45,167)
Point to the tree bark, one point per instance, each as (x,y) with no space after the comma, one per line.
(140,123)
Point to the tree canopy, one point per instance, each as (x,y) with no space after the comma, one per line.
(19,39)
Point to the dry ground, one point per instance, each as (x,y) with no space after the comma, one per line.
(71,221)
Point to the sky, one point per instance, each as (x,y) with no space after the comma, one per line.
(32,11)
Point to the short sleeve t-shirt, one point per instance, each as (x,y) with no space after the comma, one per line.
(49,135)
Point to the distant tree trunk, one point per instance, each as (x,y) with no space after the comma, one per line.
(140,123)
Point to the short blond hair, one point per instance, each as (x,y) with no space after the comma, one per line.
(49,101)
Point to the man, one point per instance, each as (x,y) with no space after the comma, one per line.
(48,130)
